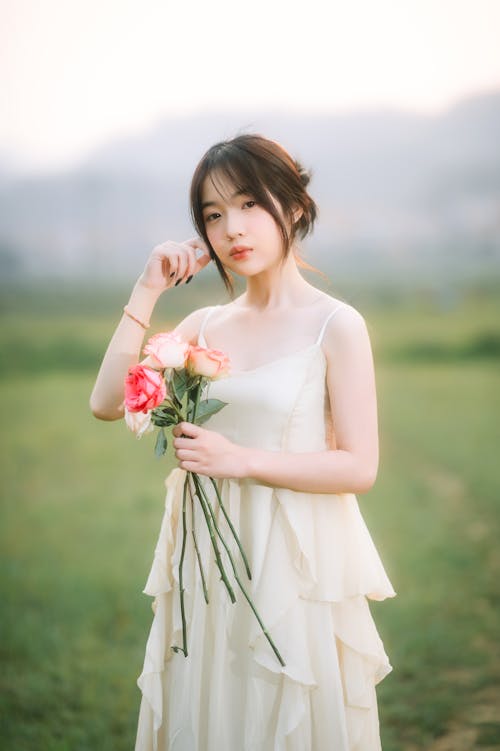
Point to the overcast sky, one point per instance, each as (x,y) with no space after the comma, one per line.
(76,73)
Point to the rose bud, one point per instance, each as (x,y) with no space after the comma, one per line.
(139,422)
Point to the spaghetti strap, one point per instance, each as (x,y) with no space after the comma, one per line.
(330,315)
(202,342)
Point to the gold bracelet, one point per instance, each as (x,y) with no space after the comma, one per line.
(129,314)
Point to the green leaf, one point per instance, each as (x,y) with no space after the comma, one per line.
(167,408)
(164,421)
(180,382)
(207,408)
(161,443)
(164,416)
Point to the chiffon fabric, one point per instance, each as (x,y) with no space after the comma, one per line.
(314,566)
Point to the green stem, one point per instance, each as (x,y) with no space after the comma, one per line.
(197,396)
(198,555)
(249,574)
(181,588)
(201,495)
(199,389)
(177,410)
(212,524)
(247,596)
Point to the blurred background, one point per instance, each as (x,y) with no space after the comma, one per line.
(106,107)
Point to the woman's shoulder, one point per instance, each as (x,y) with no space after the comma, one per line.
(189,327)
(330,304)
(345,327)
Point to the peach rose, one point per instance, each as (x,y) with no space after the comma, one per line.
(211,363)
(139,422)
(144,389)
(167,350)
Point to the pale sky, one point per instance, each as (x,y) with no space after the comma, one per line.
(77,73)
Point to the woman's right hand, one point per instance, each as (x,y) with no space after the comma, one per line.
(168,264)
(171,263)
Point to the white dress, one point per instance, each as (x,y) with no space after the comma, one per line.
(313,566)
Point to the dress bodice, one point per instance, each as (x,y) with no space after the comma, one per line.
(282,405)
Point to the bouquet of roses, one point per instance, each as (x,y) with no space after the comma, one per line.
(162,391)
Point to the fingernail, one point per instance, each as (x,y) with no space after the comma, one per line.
(177,282)
(172,274)
(189,279)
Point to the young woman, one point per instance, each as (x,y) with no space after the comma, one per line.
(295,443)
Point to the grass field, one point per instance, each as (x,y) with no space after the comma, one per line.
(82,502)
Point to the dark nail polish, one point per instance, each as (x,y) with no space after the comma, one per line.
(189,279)
(172,274)
(177,282)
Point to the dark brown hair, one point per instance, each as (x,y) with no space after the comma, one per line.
(263,169)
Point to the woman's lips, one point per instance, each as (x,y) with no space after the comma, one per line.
(240,252)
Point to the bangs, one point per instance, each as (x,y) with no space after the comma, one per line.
(230,164)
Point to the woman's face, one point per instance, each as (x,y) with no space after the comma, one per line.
(244,235)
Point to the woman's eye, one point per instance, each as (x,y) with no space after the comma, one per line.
(211,217)
(249,204)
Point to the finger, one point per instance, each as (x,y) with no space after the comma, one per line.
(165,267)
(189,429)
(191,467)
(184,443)
(173,263)
(203,260)
(197,243)
(180,430)
(184,455)
(190,263)
(181,266)
(202,252)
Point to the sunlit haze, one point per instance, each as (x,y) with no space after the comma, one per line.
(74,75)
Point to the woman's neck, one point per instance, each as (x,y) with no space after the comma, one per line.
(278,288)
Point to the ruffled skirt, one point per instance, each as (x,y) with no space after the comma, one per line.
(313,567)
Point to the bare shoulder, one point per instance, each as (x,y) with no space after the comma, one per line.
(346,329)
(189,327)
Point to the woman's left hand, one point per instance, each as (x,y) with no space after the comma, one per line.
(207,452)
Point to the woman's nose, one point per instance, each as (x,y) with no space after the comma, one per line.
(234,224)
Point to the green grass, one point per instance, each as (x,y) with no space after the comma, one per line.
(435,508)
(82,502)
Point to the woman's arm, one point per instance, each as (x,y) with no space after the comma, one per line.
(169,264)
(350,468)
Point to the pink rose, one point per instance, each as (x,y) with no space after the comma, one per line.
(167,350)
(144,389)
(211,363)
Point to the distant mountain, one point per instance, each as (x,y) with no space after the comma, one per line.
(394,189)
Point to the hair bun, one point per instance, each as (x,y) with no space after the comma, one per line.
(304,174)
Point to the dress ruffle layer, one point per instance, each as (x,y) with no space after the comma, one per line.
(313,567)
